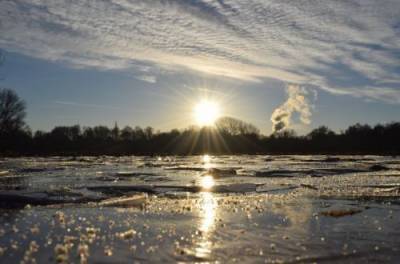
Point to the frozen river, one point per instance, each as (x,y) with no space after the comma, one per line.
(200,209)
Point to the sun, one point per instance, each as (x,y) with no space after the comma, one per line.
(206,113)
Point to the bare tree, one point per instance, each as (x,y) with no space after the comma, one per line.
(12,112)
(235,126)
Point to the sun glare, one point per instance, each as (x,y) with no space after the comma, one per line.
(206,113)
(207,182)
(206,158)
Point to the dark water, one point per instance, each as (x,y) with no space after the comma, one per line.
(200,209)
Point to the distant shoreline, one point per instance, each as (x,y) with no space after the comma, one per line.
(198,154)
(231,138)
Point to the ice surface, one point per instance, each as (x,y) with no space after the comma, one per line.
(154,209)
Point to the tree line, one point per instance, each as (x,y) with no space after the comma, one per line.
(228,136)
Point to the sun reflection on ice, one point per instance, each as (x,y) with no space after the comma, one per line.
(206,159)
(207,182)
(207,213)
(208,208)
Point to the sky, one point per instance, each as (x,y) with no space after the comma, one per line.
(148,62)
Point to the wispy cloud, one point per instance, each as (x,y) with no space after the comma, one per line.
(147,78)
(343,47)
(75,104)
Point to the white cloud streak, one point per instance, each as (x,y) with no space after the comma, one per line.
(343,47)
(74,104)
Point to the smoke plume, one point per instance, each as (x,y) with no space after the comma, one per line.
(297,102)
